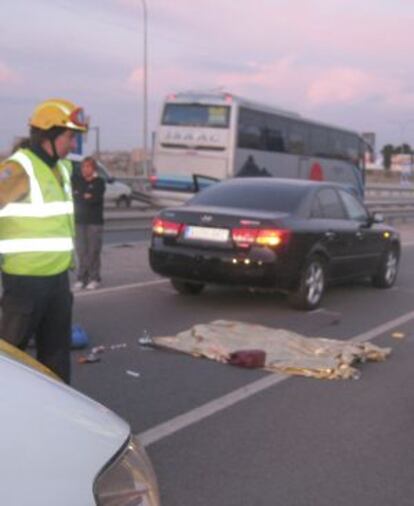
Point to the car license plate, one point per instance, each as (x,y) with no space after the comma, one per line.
(206,234)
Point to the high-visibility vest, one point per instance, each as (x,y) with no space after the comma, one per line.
(36,233)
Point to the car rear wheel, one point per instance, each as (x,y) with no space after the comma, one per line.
(311,286)
(187,287)
(388,269)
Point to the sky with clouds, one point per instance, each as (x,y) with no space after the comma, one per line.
(344,62)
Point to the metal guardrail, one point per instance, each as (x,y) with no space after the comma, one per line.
(395,202)
(129,219)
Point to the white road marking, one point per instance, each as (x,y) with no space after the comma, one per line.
(168,428)
(112,289)
(383,328)
(402,289)
(210,408)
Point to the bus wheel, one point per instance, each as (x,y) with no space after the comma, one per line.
(311,285)
(187,287)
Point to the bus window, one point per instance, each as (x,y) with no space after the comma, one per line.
(275,134)
(196,115)
(298,138)
(319,142)
(337,143)
(262,131)
(249,129)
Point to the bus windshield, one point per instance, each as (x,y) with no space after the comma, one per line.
(211,116)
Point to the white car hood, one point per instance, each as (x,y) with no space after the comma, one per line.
(53,440)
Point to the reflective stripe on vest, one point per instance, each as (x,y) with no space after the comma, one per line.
(26,245)
(50,209)
(37,207)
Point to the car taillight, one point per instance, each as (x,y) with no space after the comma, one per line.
(245,237)
(166,228)
(272,237)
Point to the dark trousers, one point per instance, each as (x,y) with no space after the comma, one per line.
(39,307)
(88,250)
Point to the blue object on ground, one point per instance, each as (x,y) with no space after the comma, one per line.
(80,338)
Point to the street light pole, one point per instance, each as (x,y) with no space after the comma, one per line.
(97,142)
(145,92)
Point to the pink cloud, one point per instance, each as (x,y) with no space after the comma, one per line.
(290,81)
(165,80)
(296,53)
(346,85)
(287,83)
(280,74)
(135,78)
(342,85)
(315,29)
(128,3)
(7,75)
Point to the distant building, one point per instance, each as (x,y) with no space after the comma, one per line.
(129,163)
(377,164)
(402,163)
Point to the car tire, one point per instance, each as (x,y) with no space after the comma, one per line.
(123,201)
(312,284)
(387,270)
(187,287)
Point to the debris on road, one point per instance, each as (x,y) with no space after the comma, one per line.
(134,374)
(145,339)
(251,359)
(117,346)
(98,349)
(285,351)
(398,335)
(79,337)
(91,358)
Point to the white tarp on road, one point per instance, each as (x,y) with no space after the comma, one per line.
(286,352)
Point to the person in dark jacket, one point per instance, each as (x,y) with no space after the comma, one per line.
(88,195)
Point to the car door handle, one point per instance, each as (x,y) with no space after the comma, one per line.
(360,234)
(330,235)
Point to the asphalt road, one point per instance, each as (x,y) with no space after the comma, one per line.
(224,436)
(122,236)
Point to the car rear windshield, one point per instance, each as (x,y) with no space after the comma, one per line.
(211,116)
(260,197)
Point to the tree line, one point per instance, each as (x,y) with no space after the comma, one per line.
(389,150)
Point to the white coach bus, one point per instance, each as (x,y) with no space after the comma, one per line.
(220,135)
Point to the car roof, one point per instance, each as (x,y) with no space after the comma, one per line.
(279,182)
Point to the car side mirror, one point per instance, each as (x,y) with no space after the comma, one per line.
(110,179)
(375,218)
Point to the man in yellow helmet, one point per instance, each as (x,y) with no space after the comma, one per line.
(36,235)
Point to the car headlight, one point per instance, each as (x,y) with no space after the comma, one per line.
(129,480)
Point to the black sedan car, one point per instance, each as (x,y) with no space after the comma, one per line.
(290,235)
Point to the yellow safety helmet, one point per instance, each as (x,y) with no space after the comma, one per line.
(57,112)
